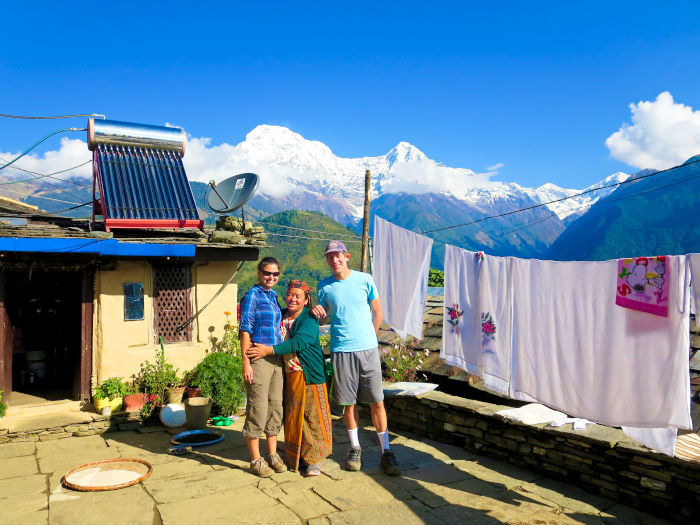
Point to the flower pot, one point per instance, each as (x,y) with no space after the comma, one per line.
(197,410)
(114,404)
(192,391)
(135,402)
(175,394)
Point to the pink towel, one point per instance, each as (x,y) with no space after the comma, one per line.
(643,284)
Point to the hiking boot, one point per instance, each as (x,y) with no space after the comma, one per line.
(354,461)
(275,461)
(259,468)
(389,464)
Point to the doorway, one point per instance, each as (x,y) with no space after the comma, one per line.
(43,328)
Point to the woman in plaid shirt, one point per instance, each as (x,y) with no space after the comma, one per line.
(261,318)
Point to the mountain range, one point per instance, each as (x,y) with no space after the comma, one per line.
(420,194)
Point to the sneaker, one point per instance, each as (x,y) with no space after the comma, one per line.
(313,470)
(259,468)
(354,461)
(389,464)
(275,461)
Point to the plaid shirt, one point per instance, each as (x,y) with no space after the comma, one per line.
(261,316)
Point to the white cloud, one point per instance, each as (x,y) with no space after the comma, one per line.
(662,134)
(204,162)
(426,176)
(71,153)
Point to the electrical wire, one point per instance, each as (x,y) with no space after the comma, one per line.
(307,230)
(30,148)
(49,175)
(55,117)
(630,180)
(310,238)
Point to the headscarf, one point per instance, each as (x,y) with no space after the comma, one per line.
(296,283)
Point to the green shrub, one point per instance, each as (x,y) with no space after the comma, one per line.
(111,388)
(3,406)
(220,378)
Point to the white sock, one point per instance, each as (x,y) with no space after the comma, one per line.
(354,440)
(384,439)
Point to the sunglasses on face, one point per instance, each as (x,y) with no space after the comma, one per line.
(268,274)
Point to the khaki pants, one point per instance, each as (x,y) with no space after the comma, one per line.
(264,406)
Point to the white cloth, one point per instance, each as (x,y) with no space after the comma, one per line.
(461,327)
(532,414)
(660,439)
(478,316)
(694,259)
(579,352)
(400,270)
(578,423)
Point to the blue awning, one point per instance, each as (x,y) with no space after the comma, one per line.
(107,247)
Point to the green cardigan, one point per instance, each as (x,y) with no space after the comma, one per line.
(303,341)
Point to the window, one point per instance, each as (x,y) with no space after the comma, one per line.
(171,302)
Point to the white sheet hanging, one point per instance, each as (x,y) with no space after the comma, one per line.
(478,316)
(694,259)
(400,270)
(580,353)
(461,327)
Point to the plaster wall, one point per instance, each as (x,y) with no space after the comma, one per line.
(119,346)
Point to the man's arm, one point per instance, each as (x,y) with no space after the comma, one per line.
(377,316)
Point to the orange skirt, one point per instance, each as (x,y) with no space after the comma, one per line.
(307,421)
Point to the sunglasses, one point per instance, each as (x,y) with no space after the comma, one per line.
(268,274)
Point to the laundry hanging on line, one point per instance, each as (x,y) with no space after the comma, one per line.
(400,271)
(571,347)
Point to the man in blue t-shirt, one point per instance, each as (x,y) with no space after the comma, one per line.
(351,300)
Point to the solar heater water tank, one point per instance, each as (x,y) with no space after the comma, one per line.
(137,135)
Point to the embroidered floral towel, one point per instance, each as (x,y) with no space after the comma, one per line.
(643,284)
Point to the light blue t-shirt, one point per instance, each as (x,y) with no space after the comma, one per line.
(347,304)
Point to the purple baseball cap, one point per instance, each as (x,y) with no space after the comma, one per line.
(335,246)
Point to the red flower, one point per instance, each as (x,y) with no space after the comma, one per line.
(488,328)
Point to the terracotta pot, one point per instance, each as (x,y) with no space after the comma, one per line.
(135,401)
(114,404)
(192,391)
(175,394)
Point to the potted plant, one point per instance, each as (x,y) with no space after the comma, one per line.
(3,406)
(220,378)
(176,389)
(110,394)
(134,399)
(190,390)
(154,378)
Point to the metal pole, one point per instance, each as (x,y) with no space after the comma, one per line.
(365,226)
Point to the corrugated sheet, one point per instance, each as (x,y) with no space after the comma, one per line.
(146,184)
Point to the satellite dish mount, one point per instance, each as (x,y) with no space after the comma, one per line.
(232,193)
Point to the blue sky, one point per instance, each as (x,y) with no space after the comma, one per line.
(535,86)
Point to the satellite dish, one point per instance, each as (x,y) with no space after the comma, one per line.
(232,193)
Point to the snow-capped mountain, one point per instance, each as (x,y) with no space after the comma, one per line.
(296,172)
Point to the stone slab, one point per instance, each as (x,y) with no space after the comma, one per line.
(72,445)
(439,474)
(359,491)
(494,471)
(129,506)
(405,513)
(571,498)
(244,505)
(29,424)
(12,450)
(18,467)
(204,484)
(306,504)
(182,468)
(61,461)
(22,486)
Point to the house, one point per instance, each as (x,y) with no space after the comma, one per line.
(78,306)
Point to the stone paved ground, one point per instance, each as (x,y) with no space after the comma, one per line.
(441,484)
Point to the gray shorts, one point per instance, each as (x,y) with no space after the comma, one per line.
(357,376)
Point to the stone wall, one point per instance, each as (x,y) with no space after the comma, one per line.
(99,425)
(601,460)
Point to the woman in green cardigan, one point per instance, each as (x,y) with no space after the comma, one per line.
(307,418)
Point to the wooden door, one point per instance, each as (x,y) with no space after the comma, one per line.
(82,385)
(6,344)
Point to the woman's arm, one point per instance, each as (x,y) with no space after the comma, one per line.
(247,369)
(304,338)
(256,351)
